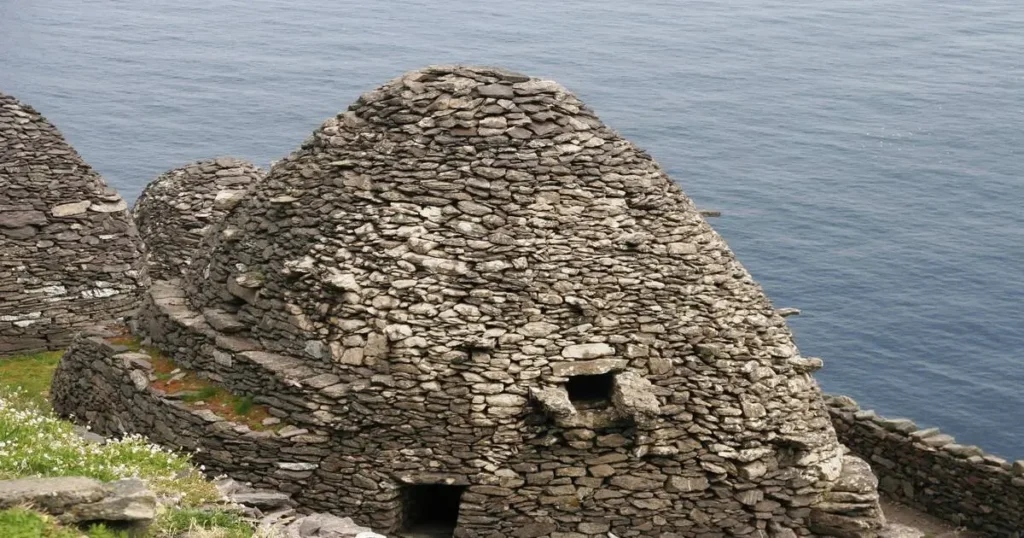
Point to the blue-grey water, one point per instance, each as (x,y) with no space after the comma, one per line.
(868,155)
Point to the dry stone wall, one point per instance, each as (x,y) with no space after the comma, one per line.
(100,384)
(177,208)
(71,254)
(928,469)
(468,283)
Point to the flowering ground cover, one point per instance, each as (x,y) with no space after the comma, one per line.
(36,443)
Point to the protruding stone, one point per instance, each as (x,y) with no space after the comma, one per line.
(587,367)
(70,209)
(587,351)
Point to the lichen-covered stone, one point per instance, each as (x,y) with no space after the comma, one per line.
(71,256)
(177,208)
(468,279)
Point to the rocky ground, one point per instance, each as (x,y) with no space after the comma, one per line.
(929,525)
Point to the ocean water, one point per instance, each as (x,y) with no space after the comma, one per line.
(868,155)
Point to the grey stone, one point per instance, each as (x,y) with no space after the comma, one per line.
(430,257)
(176,209)
(587,351)
(64,264)
(70,209)
(19,219)
(76,499)
(587,367)
(127,500)
(52,495)
(499,91)
(264,500)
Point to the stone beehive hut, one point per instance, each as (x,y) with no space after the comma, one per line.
(177,208)
(489,315)
(70,253)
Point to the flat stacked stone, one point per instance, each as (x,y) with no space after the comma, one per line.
(70,253)
(468,280)
(178,207)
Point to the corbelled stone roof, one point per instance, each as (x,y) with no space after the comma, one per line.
(177,208)
(71,255)
(468,280)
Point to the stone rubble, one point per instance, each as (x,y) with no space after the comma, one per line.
(176,209)
(71,255)
(468,281)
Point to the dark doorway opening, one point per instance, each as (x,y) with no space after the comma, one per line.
(591,391)
(430,510)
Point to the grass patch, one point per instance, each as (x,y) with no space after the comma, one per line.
(102,531)
(243,405)
(27,423)
(23,523)
(203,394)
(173,523)
(179,522)
(30,375)
(25,428)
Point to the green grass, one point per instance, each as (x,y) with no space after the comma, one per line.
(27,423)
(204,393)
(242,405)
(24,523)
(101,531)
(178,522)
(24,428)
(30,375)
(173,523)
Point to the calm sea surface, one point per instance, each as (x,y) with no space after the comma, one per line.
(868,155)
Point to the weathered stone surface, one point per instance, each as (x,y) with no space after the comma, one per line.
(896,530)
(264,500)
(587,367)
(633,396)
(71,255)
(75,499)
(428,259)
(52,495)
(587,351)
(126,500)
(176,209)
(71,209)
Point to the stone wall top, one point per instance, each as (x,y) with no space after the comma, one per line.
(928,469)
